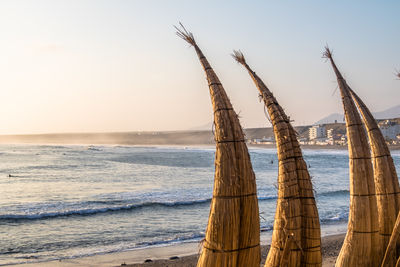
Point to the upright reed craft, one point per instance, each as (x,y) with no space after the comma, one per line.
(233,230)
(296,238)
(363,244)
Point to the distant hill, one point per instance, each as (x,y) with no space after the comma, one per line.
(192,137)
(204,127)
(137,138)
(121,138)
(390,113)
(331,119)
(393,112)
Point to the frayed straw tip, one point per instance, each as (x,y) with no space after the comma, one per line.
(184,34)
(327,53)
(238,56)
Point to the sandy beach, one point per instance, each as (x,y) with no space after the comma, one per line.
(181,255)
(330,249)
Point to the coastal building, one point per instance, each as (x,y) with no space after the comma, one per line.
(389,129)
(321,141)
(329,133)
(303,141)
(343,140)
(264,140)
(336,139)
(316,132)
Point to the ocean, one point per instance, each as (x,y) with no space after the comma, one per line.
(61,202)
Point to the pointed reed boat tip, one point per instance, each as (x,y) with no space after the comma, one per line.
(184,34)
(239,57)
(327,53)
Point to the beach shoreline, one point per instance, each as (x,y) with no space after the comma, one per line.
(186,254)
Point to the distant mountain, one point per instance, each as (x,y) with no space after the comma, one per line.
(331,119)
(390,113)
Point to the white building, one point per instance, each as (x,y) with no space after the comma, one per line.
(329,133)
(343,140)
(316,132)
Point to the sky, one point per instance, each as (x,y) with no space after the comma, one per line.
(109,66)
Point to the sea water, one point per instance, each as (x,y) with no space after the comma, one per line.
(59,202)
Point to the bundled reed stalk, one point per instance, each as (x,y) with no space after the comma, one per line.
(392,250)
(362,245)
(233,230)
(296,216)
(385,176)
(392,247)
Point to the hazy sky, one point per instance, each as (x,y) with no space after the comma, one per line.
(88,66)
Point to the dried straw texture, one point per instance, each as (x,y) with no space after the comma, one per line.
(233,231)
(296,217)
(385,176)
(362,245)
(391,249)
